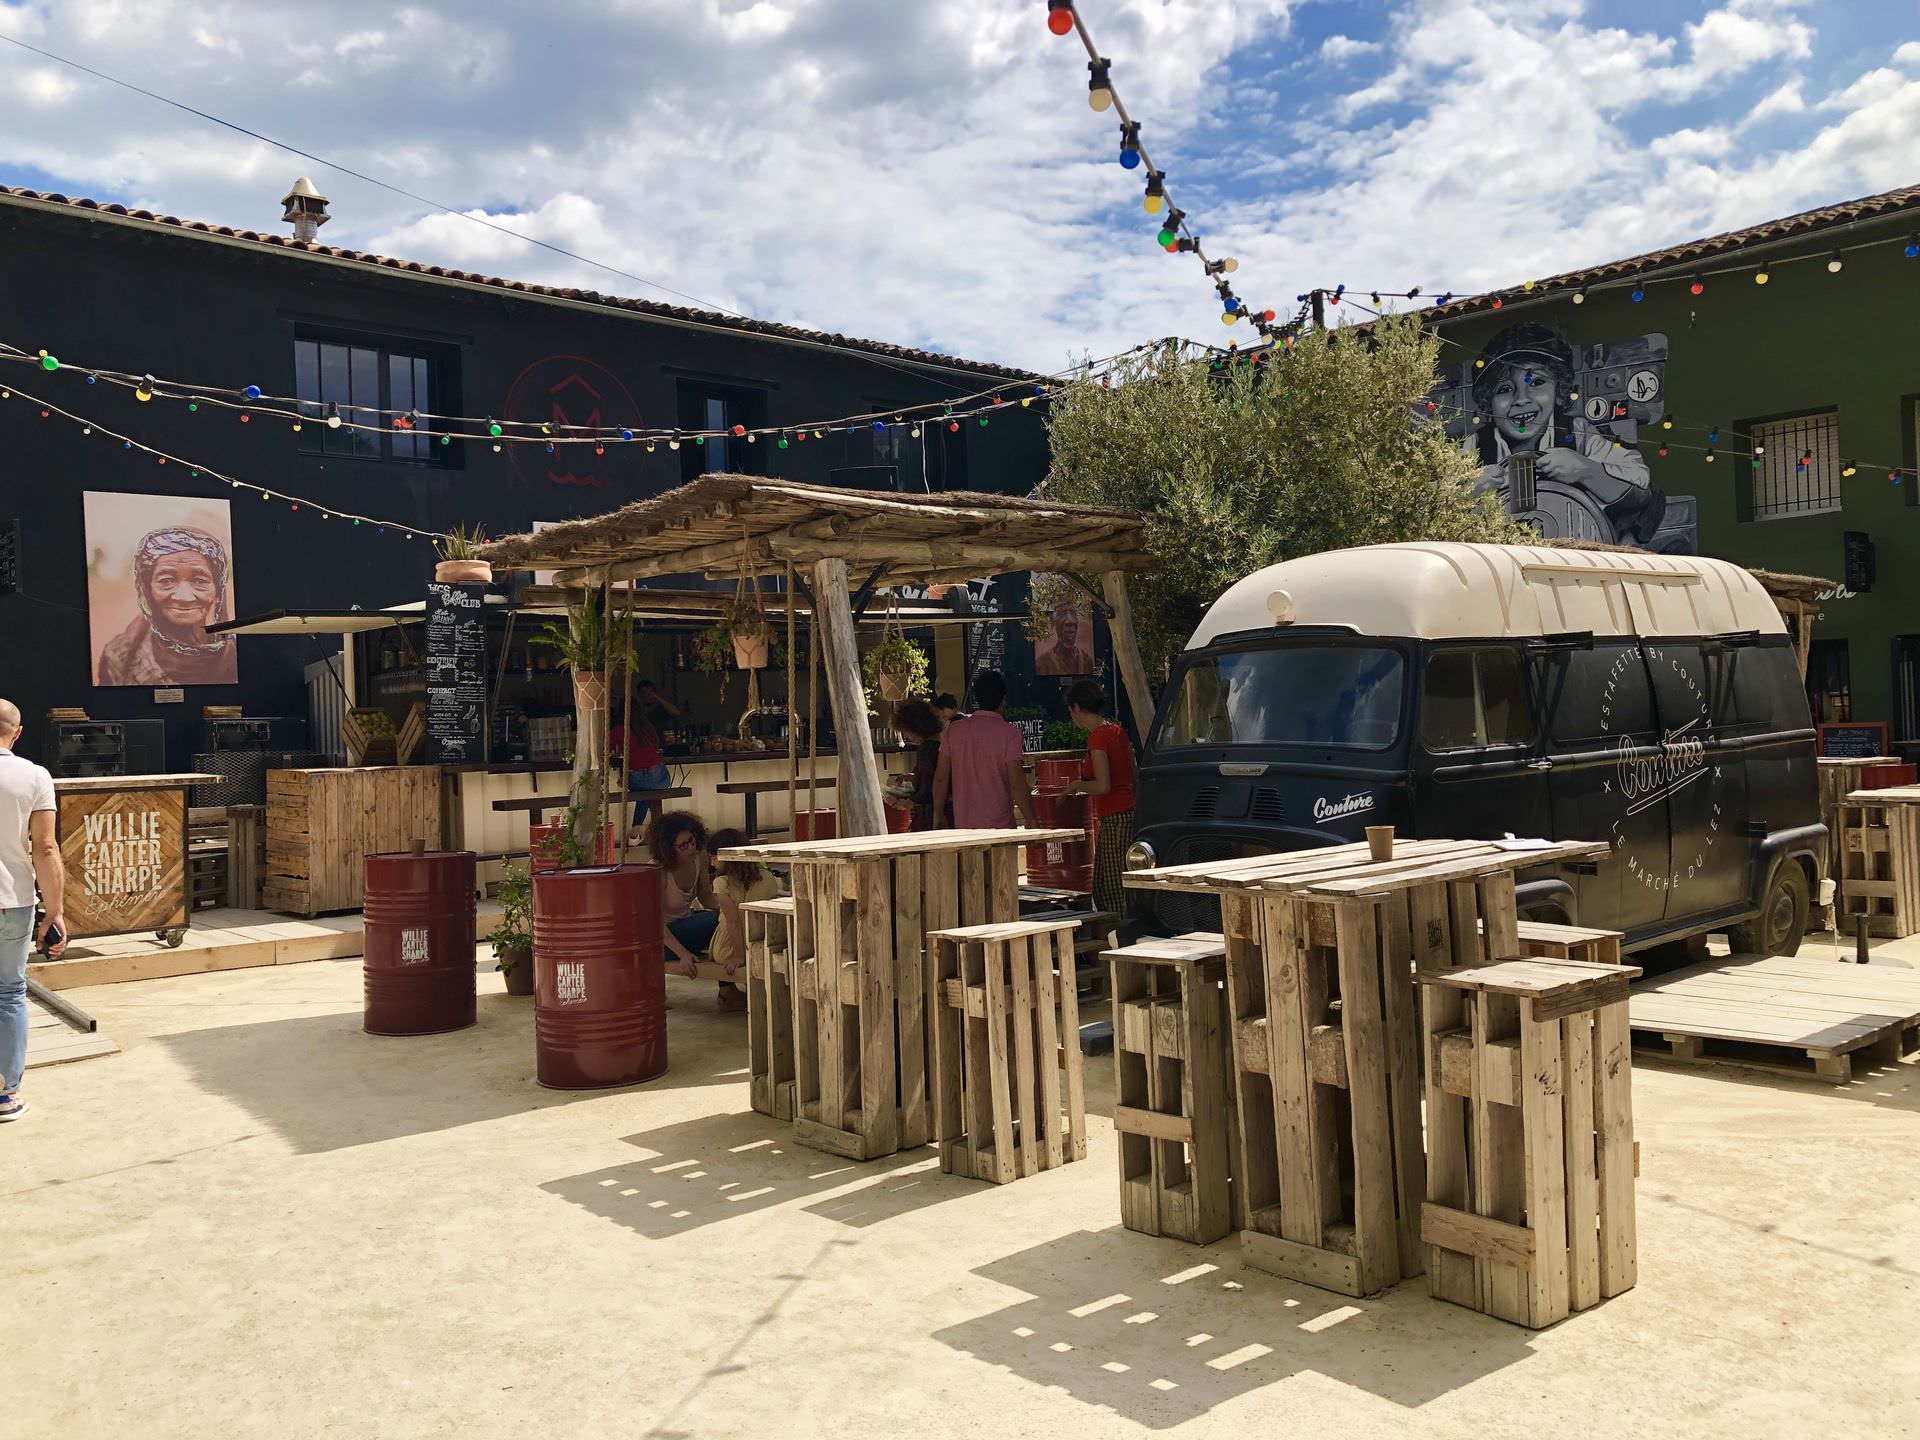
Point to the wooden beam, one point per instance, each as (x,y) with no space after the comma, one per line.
(1126,654)
(726,554)
(949,555)
(860,806)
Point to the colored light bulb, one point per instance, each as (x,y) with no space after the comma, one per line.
(1060,16)
(493,427)
(252,392)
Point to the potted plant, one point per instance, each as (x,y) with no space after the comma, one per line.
(587,647)
(513,935)
(459,552)
(895,669)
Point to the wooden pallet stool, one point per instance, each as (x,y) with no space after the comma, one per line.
(1569,942)
(1530,1212)
(769,944)
(1021,1096)
(1880,861)
(1173,1094)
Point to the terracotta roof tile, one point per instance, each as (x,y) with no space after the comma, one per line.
(766,328)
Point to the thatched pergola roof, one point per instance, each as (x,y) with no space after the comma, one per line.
(723,523)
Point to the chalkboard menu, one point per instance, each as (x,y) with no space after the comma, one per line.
(456,672)
(1856,740)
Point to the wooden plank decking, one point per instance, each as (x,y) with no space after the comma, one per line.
(1801,1016)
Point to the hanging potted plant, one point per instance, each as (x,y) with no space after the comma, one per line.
(513,935)
(895,670)
(587,648)
(741,636)
(459,552)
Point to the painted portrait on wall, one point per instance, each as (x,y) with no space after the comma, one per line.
(1556,428)
(159,572)
(1065,647)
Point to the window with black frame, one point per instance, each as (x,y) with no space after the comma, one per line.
(370,387)
(715,410)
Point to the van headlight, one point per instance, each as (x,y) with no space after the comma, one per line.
(1141,856)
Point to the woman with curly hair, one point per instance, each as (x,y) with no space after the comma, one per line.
(918,725)
(678,842)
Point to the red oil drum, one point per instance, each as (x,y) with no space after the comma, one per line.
(543,843)
(1886,777)
(816,825)
(1061,865)
(899,819)
(419,961)
(599,984)
(1050,777)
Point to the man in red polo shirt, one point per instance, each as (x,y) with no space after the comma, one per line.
(982,764)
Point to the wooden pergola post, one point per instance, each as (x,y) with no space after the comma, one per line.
(1126,654)
(860,805)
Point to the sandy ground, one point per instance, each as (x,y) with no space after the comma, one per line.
(260,1221)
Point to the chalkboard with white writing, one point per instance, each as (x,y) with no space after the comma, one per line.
(456,673)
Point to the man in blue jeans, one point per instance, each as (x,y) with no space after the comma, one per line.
(28,850)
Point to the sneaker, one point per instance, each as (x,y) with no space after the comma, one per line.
(732,997)
(12,1107)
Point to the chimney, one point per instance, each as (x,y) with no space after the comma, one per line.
(306,209)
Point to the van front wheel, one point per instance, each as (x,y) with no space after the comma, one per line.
(1782,920)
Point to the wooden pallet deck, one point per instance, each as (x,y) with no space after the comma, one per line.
(52,1041)
(1798,1016)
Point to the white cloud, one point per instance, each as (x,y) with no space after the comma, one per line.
(1338,49)
(1786,100)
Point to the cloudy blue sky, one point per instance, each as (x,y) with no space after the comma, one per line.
(929,172)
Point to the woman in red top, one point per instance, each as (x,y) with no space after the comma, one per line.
(637,747)
(1106,775)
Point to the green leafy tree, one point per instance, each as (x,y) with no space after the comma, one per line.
(1237,466)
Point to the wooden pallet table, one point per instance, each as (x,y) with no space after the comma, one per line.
(769,945)
(1529,1212)
(876,1063)
(1793,1016)
(1173,1092)
(1021,1095)
(1839,777)
(1322,945)
(1879,875)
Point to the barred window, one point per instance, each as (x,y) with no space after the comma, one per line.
(1797,466)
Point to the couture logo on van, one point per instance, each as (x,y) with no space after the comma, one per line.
(1649,779)
(1325,809)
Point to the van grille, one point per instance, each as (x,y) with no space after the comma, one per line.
(1267,806)
(1205,801)
(1177,912)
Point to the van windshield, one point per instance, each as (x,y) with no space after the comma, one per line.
(1324,695)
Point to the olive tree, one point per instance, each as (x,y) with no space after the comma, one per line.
(1238,465)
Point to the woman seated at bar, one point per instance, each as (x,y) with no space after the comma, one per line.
(638,746)
(1107,775)
(735,883)
(920,727)
(678,843)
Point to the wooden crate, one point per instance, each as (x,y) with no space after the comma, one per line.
(769,943)
(321,824)
(246,855)
(206,874)
(1530,1210)
(1879,873)
(1022,1098)
(1173,1096)
(1569,942)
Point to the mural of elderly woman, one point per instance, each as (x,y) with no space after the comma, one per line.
(1526,387)
(183,583)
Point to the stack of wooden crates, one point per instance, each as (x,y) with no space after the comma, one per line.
(1332,1058)
(322,823)
(1878,840)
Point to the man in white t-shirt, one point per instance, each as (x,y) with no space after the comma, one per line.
(28,851)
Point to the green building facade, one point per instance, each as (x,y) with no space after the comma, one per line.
(1775,417)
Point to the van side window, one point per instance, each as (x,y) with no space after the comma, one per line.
(1597,694)
(1757,688)
(1475,698)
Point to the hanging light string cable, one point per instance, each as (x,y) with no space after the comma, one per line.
(251,399)
(48,409)
(1176,237)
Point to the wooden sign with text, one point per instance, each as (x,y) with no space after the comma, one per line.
(126,857)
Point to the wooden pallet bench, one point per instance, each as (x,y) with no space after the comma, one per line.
(1879,850)
(1569,942)
(1529,1212)
(1802,1017)
(769,945)
(1173,1094)
(1021,1096)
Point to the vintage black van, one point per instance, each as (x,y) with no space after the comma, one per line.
(1476,691)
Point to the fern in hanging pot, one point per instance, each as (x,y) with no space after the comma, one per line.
(741,636)
(895,670)
(588,647)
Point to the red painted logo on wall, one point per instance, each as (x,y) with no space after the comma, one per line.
(579,398)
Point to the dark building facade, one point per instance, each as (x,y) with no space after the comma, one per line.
(110,540)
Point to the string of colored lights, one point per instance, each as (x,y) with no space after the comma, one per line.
(1176,237)
(196,470)
(1694,277)
(251,399)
